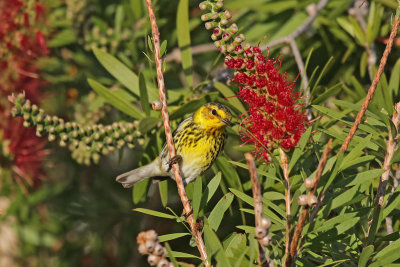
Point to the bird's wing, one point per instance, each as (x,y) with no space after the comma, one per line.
(164,152)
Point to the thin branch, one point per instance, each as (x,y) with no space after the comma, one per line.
(302,28)
(175,55)
(391,146)
(304,212)
(285,168)
(372,88)
(258,205)
(300,65)
(170,143)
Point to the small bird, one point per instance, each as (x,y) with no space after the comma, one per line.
(198,141)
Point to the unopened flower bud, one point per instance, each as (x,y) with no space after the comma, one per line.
(158,249)
(157,105)
(309,183)
(142,249)
(153,260)
(266,241)
(151,235)
(260,232)
(302,200)
(150,245)
(312,200)
(265,223)
(163,263)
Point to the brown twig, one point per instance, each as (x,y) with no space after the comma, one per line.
(372,88)
(170,143)
(302,28)
(258,205)
(285,168)
(391,146)
(304,212)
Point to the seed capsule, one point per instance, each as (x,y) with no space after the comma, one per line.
(302,200)
(265,223)
(312,200)
(266,241)
(157,105)
(309,183)
(260,232)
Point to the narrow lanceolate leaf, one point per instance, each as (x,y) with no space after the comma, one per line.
(182,26)
(230,95)
(197,193)
(212,186)
(116,100)
(155,213)
(117,69)
(178,254)
(214,246)
(163,187)
(139,191)
(219,210)
(168,237)
(144,97)
(365,254)
(171,255)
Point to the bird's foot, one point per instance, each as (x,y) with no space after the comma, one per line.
(174,160)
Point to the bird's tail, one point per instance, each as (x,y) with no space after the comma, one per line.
(130,178)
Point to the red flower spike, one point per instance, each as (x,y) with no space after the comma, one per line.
(274,119)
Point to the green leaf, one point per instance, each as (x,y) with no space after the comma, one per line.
(163,47)
(163,188)
(139,191)
(155,213)
(63,38)
(219,210)
(214,246)
(259,171)
(115,100)
(182,26)
(197,195)
(366,176)
(249,200)
(394,82)
(387,255)
(168,237)
(334,90)
(122,73)
(178,254)
(170,255)
(212,187)
(230,95)
(365,254)
(299,150)
(148,123)
(344,198)
(321,74)
(144,97)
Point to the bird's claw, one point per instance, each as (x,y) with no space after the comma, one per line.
(174,160)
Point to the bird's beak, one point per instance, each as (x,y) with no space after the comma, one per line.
(227,122)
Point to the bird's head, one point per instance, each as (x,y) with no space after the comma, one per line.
(213,115)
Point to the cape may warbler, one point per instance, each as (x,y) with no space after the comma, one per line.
(198,140)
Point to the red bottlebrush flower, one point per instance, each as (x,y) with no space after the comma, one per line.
(274,118)
(26,152)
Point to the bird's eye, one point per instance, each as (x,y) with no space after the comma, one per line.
(214,112)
